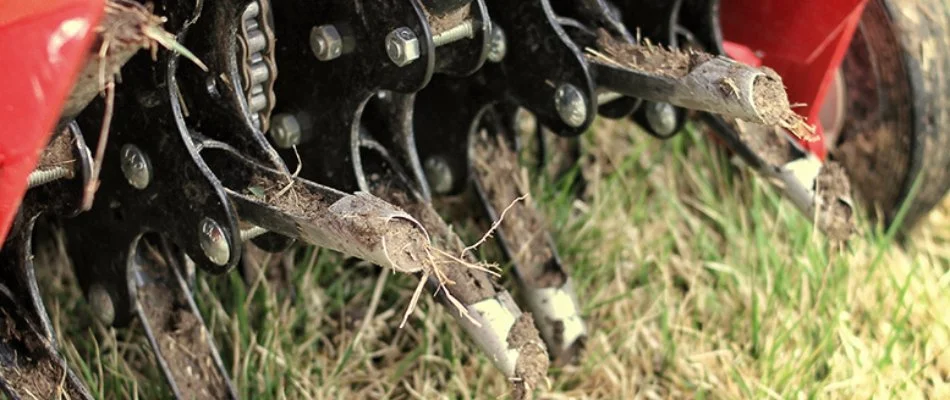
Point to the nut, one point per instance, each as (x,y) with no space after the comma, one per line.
(402,46)
(326,42)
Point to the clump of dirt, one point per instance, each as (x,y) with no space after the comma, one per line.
(771,102)
(649,58)
(290,198)
(59,153)
(522,229)
(835,213)
(469,285)
(33,371)
(532,365)
(442,22)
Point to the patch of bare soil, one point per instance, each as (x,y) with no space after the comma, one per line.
(835,214)
(522,229)
(532,365)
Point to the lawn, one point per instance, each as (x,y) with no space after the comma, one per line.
(697,281)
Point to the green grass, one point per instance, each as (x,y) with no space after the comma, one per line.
(698,281)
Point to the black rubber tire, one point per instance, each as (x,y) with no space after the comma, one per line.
(897,72)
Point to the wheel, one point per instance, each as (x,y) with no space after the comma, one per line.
(890,123)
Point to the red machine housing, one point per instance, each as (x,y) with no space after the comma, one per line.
(44,44)
(804,41)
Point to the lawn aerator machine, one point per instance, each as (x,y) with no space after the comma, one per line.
(172,135)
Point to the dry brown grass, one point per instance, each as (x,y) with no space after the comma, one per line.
(697,282)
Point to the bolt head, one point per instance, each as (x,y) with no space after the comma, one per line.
(570,105)
(211,85)
(402,46)
(662,118)
(439,174)
(135,166)
(497,45)
(285,130)
(213,242)
(101,303)
(326,42)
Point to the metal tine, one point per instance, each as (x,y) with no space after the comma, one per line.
(545,283)
(494,321)
(30,365)
(183,346)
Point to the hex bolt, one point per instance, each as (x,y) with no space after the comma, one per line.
(135,166)
(497,45)
(326,42)
(101,303)
(570,105)
(213,242)
(662,118)
(465,30)
(439,174)
(211,85)
(44,176)
(285,130)
(402,46)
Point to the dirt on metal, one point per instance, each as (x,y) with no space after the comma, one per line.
(443,22)
(650,58)
(469,285)
(34,373)
(183,342)
(532,365)
(835,216)
(768,92)
(496,167)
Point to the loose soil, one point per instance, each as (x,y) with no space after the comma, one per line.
(34,372)
(297,200)
(59,153)
(835,216)
(441,23)
(650,58)
(522,230)
(532,365)
(182,340)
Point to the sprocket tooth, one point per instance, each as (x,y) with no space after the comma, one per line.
(177,333)
(545,284)
(30,365)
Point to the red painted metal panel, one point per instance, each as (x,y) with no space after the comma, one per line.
(43,44)
(804,41)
